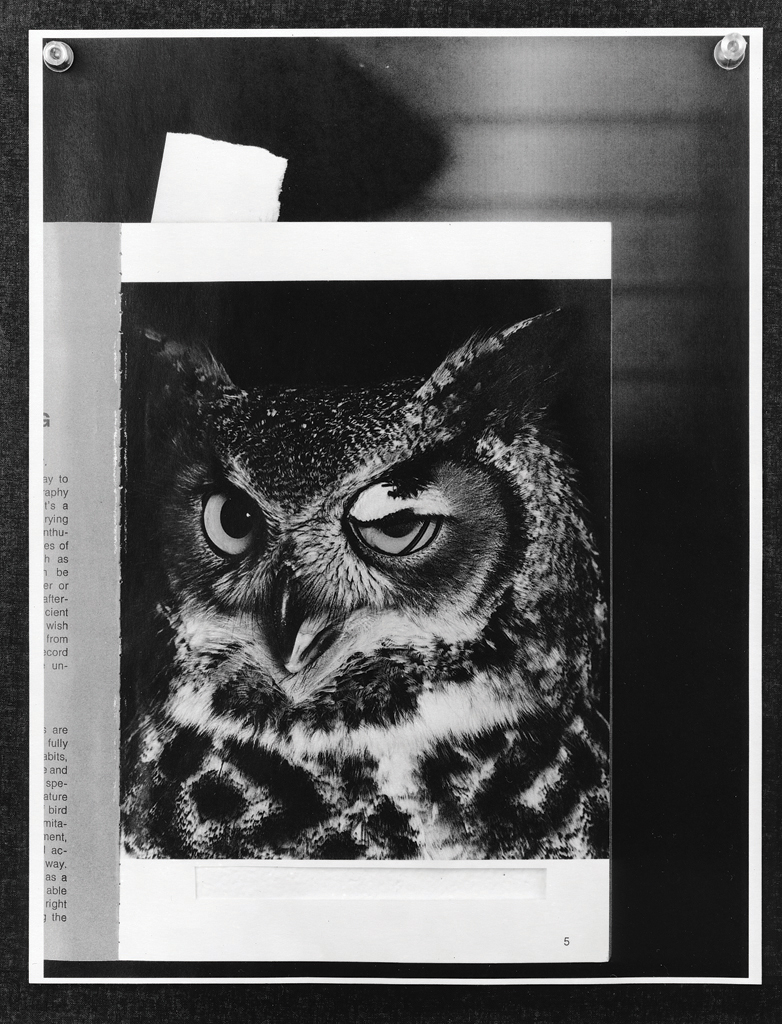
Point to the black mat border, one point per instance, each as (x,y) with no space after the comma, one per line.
(19,1001)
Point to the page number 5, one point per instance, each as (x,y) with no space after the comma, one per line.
(567,940)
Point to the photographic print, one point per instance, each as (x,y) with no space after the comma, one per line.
(364,613)
(400,393)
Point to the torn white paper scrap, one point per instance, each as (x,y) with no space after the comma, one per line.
(207,180)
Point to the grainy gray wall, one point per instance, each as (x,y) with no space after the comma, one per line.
(649,134)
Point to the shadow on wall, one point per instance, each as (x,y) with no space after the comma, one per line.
(354,150)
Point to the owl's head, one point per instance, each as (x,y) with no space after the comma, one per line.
(314,528)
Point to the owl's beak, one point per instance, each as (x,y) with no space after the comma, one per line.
(311,641)
(300,637)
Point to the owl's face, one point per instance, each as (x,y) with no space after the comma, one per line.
(307,538)
(392,555)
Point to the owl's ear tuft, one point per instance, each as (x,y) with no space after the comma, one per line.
(497,378)
(193,362)
(183,385)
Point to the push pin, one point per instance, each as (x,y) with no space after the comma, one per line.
(57,56)
(730,51)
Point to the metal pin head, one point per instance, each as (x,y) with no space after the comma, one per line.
(730,50)
(57,56)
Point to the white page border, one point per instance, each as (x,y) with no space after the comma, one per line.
(366,251)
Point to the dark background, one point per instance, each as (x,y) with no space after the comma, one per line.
(679,557)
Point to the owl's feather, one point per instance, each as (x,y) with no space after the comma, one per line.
(399,656)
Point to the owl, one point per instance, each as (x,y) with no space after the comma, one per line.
(368,623)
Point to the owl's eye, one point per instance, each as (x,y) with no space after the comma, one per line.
(401,533)
(232,521)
